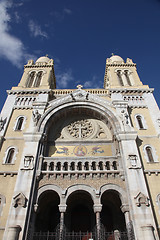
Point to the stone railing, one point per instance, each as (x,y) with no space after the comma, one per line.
(81,166)
(92,91)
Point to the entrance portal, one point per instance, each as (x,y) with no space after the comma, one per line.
(80,215)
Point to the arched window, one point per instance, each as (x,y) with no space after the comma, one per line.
(139,121)
(10,156)
(30,79)
(149,154)
(19,123)
(120,77)
(38,79)
(127,77)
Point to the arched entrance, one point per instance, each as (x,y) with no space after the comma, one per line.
(48,215)
(112,217)
(80,215)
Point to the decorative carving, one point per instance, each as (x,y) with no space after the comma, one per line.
(35,207)
(36,116)
(2,122)
(79,95)
(19,200)
(141,199)
(80,129)
(28,163)
(133,160)
(125,117)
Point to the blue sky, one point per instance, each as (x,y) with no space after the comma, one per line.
(79,35)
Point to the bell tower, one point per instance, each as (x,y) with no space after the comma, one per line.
(38,75)
(121,74)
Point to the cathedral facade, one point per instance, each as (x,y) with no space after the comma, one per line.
(80,160)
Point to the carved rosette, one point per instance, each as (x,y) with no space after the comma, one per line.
(80,129)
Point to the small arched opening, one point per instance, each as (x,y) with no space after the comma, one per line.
(112,217)
(48,215)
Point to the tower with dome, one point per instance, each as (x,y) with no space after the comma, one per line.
(80,163)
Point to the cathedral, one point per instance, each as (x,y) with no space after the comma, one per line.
(80,163)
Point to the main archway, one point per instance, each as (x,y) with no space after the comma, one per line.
(80,215)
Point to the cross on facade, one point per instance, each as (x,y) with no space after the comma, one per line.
(80,128)
(79,86)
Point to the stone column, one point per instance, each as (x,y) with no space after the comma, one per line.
(13,232)
(62,209)
(129,225)
(97,210)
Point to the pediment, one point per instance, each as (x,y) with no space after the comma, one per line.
(80,95)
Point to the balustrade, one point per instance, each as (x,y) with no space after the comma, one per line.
(81,165)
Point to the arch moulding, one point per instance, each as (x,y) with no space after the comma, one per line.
(99,105)
(50,187)
(81,187)
(117,189)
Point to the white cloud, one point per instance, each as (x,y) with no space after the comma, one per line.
(11,47)
(61,14)
(94,83)
(36,30)
(67,11)
(63,79)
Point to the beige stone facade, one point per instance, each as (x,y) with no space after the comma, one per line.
(80,159)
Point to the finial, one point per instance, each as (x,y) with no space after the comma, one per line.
(112,54)
(79,86)
(46,55)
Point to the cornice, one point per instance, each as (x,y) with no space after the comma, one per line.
(31,91)
(5,173)
(121,64)
(38,66)
(131,90)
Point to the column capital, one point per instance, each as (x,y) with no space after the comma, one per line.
(62,208)
(97,207)
(125,208)
(126,136)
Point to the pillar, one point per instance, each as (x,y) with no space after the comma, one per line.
(97,210)
(13,232)
(129,226)
(124,80)
(62,209)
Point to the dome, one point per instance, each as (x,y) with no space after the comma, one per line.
(43,59)
(116,58)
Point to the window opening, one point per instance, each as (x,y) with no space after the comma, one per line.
(19,123)
(127,77)
(31,79)
(38,79)
(10,155)
(140,124)
(120,77)
(149,154)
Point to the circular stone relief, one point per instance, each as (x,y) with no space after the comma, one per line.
(80,129)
